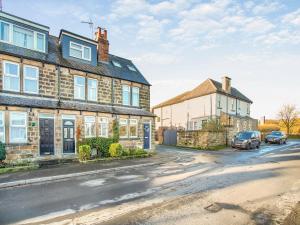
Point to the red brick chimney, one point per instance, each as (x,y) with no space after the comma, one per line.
(103,44)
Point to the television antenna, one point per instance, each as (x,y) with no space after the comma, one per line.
(91,25)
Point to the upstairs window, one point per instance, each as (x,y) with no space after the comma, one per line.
(31,79)
(90,128)
(135,96)
(11,76)
(92,89)
(4,31)
(23,37)
(18,128)
(80,51)
(79,87)
(2,128)
(126,94)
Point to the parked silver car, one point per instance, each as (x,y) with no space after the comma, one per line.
(246,140)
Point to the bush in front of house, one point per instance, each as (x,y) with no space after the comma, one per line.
(84,152)
(2,152)
(100,143)
(115,150)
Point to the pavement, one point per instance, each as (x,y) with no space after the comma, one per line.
(142,191)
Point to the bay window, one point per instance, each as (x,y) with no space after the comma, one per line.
(18,127)
(126,94)
(31,79)
(11,76)
(92,89)
(4,31)
(135,96)
(79,87)
(89,125)
(133,128)
(123,129)
(80,51)
(103,127)
(2,128)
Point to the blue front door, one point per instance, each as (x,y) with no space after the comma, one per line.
(146,136)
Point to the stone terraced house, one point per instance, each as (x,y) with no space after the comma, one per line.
(55,91)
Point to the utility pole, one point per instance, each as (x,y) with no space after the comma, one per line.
(91,25)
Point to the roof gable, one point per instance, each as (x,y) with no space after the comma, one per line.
(209,86)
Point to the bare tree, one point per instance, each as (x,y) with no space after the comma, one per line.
(288,115)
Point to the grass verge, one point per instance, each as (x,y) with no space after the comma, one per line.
(13,169)
(209,148)
(117,158)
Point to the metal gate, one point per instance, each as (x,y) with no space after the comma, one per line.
(170,137)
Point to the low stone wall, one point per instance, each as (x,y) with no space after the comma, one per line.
(200,139)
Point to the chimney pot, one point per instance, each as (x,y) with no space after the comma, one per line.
(226,84)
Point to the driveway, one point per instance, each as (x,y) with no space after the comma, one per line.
(182,187)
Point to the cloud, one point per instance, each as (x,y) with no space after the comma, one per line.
(258,25)
(292,18)
(267,7)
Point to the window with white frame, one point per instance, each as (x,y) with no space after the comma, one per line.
(31,79)
(4,31)
(80,51)
(18,127)
(135,96)
(123,128)
(11,76)
(232,104)
(133,128)
(89,125)
(92,89)
(22,37)
(79,87)
(2,128)
(126,94)
(103,127)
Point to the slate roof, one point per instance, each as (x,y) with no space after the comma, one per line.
(54,56)
(209,86)
(25,101)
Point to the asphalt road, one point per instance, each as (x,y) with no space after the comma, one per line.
(63,200)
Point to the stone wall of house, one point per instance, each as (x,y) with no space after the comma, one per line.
(105,90)
(200,139)
(145,97)
(30,150)
(48,81)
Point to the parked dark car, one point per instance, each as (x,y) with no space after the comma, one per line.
(246,140)
(277,137)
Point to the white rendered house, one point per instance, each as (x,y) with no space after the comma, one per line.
(192,109)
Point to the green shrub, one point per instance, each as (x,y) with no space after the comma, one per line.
(125,152)
(100,143)
(140,151)
(2,152)
(115,150)
(84,152)
(116,135)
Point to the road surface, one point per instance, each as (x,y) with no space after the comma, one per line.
(184,187)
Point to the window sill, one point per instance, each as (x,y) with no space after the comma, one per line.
(16,144)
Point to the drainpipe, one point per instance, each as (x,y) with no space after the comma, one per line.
(59,83)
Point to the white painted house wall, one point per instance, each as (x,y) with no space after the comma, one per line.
(198,109)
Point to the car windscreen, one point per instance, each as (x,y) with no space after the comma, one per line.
(244,135)
(276,133)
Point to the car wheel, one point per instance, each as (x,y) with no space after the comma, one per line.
(258,146)
(266,141)
(248,146)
